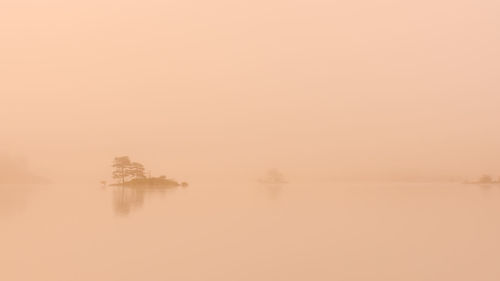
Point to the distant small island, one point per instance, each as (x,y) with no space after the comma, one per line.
(132,174)
(484,179)
(273,176)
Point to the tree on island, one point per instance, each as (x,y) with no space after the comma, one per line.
(136,170)
(124,168)
(122,171)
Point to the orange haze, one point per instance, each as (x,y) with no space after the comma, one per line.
(322,90)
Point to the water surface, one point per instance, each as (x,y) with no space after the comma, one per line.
(361,231)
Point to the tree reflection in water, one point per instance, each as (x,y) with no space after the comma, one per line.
(126,199)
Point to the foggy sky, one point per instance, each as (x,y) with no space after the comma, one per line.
(358,89)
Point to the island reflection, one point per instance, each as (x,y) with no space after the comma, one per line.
(127,199)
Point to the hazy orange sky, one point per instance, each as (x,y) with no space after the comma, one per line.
(326,89)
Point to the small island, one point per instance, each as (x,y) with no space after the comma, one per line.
(484,179)
(132,174)
(273,176)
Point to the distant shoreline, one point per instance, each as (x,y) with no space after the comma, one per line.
(478,182)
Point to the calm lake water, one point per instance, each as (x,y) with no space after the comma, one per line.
(355,231)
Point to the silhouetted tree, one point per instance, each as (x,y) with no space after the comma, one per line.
(122,168)
(136,170)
